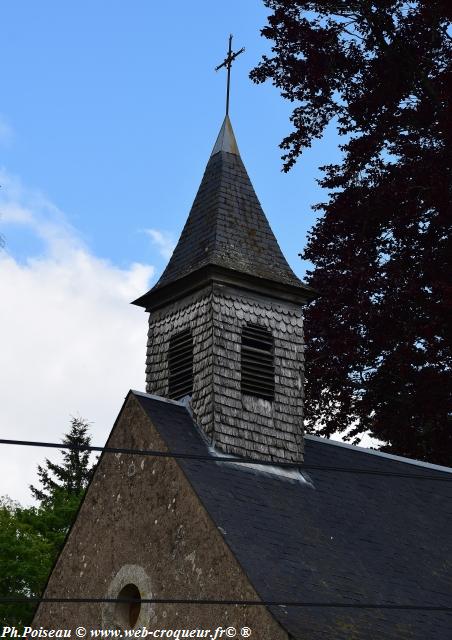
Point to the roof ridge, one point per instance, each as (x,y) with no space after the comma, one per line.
(381,454)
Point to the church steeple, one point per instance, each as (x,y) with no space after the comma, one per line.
(225,324)
(226,235)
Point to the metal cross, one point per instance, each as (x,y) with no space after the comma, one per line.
(227,63)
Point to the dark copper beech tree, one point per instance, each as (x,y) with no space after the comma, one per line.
(379,337)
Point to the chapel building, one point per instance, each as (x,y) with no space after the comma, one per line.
(292,537)
(226,324)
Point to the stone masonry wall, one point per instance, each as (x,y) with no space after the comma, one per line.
(250,426)
(142,523)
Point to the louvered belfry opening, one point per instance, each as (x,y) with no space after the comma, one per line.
(258,369)
(180,365)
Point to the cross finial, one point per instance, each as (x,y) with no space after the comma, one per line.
(227,63)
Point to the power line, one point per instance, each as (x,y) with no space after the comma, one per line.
(248,603)
(206,458)
(231,602)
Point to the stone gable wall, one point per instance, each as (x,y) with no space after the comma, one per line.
(142,523)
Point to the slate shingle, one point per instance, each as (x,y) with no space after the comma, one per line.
(228,228)
(345,538)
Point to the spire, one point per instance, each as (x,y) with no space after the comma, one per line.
(227,231)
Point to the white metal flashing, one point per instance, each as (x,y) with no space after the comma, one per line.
(381,454)
(275,470)
(226,139)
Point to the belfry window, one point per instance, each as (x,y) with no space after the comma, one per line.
(258,369)
(180,365)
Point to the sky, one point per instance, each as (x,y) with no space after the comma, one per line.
(108,114)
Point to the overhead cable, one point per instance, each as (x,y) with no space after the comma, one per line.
(444,477)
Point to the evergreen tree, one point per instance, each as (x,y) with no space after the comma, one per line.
(379,356)
(72,476)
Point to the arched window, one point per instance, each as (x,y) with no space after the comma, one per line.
(180,365)
(258,370)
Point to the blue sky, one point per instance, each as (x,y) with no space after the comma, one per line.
(108,115)
(113,108)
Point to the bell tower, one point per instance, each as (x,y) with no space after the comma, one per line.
(226,324)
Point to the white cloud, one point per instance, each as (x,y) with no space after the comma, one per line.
(71,344)
(6,132)
(163,240)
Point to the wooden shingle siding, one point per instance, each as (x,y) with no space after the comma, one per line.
(236,423)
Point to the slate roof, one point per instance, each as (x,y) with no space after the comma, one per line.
(341,538)
(226,226)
